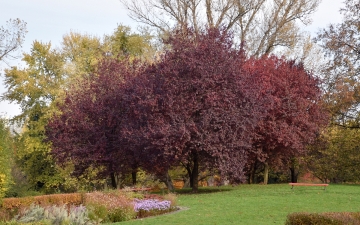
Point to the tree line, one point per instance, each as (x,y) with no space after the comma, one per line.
(215,100)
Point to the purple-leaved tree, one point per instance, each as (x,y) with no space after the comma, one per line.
(88,129)
(197,105)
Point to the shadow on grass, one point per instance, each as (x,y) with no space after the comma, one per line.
(188,191)
(203,190)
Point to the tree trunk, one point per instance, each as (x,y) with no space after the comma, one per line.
(191,180)
(118,181)
(106,186)
(293,175)
(195,173)
(252,173)
(169,183)
(266,173)
(190,172)
(187,183)
(113,180)
(133,176)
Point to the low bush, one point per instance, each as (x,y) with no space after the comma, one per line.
(97,213)
(4,215)
(110,207)
(336,218)
(55,215)
(43,200)
(16,203)
(121,214)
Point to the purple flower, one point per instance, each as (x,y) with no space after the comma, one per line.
(151,204)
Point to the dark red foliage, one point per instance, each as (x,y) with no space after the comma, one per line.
(203,104)
(293,113)
(202,107)
(88,130)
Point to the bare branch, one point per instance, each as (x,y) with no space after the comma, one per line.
(11,38)
(260,24)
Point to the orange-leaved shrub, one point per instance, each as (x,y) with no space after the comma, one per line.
(12,206)
(43,200)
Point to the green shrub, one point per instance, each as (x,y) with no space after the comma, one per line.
(122,214)
(101,214)
(9,223)
(112,206)
(97,213)
(132,194)
(338,218)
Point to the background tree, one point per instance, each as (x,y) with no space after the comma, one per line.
(34,89)
(336,149)
(262,25)
(341,45)
(83,52)
(335,156)
(6,155)
(11,38)
(123,42)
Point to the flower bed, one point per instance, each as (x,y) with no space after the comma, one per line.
(152,207)
(96,207)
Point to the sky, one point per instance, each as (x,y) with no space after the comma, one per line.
(50,20)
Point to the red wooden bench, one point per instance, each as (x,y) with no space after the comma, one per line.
(308,184)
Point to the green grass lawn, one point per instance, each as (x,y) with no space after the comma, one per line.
(256,204)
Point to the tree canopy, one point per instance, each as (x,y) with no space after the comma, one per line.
(88,129)
(293,114)
(202,104)
(335,155)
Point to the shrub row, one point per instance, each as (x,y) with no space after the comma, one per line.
(43,200)
(334,218)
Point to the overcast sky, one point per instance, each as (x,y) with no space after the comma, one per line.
(49,20)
